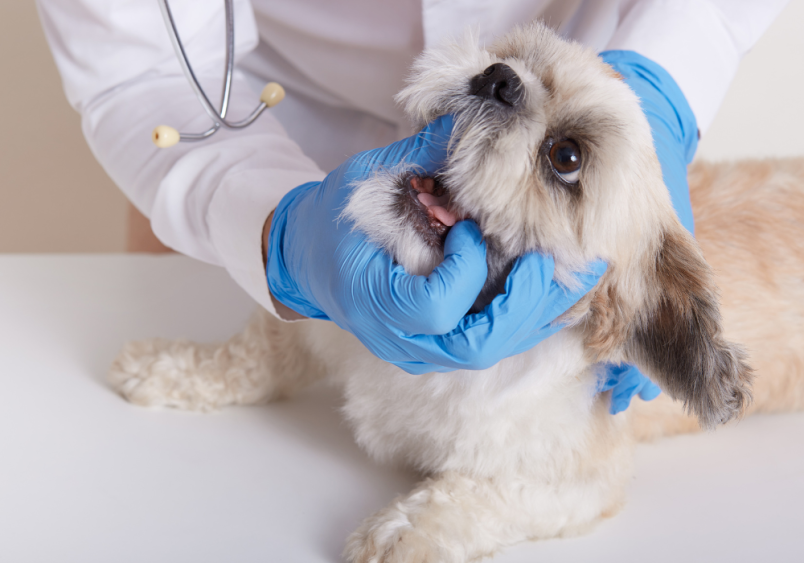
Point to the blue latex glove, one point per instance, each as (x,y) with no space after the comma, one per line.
(625,381)
(675,137)
(321,268)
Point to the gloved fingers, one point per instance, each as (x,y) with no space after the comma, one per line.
(630,382)
(416,355)
(435,304)
(506,327)
(420,368)
(561,298)
(623,392)
(610,376)
(535,336)
(427,149)
(483,339)
(429,312)
(557,302)
(650,390)
(521,317)
(621,402)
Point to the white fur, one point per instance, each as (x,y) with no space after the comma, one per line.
(524,449)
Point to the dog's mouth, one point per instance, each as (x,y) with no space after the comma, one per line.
(431,208)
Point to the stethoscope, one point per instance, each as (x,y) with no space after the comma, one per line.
(166,136)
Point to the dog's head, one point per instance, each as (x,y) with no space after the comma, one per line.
(551,152)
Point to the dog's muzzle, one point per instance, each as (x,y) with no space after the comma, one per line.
(498,83)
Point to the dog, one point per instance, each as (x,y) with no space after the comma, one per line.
(560,161)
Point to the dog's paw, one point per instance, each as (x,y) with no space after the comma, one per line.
(413,529)
(162,373)
(389,537)
(728,393)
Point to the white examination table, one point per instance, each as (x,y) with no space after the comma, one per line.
(86,477)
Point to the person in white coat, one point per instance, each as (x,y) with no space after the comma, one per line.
(341,62)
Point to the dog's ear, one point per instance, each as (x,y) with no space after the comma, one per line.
(677,338)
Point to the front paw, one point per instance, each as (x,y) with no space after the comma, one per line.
(389,537)
(419,528)
(163,373)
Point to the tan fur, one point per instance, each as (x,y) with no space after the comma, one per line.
(526,448)
(749,222)
(607,324)
(617,75)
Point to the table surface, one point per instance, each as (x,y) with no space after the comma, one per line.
(86,477)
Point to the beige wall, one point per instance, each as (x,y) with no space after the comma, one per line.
(55,198)
(763,113)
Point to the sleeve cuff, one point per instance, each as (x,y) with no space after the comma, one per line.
(236,218)
(699,43)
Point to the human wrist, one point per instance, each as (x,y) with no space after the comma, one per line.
(288,250)
(266,232)
(283,312)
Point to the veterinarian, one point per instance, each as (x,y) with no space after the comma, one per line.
(259,200)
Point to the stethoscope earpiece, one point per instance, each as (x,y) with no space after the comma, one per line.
(165,136)
(272,94)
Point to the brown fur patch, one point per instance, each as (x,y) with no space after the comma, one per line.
(606,328)
(678,340)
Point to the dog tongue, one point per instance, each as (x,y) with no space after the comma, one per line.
(444,215)
(436,206)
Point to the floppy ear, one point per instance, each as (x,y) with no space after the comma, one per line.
(677,339)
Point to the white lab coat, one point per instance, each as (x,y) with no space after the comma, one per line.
(341,62)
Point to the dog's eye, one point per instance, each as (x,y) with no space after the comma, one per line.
(565,157)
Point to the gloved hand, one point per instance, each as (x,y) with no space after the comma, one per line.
(626,381)
(319,267)
(675,137)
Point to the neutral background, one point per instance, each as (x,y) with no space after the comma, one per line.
(54,197)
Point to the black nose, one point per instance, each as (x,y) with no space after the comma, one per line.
(498,83)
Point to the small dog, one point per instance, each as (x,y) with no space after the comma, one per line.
(551,153)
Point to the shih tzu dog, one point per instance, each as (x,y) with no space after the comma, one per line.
(551,153)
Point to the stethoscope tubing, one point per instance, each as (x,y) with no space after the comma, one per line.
(218,116)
